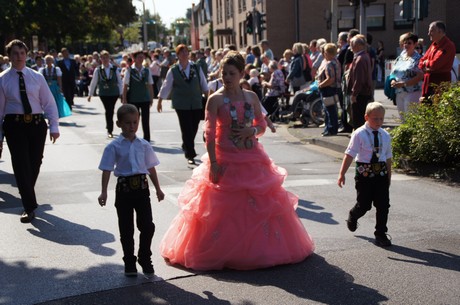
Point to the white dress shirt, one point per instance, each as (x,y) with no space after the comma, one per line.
(40,97)
(126,158)
(361,145)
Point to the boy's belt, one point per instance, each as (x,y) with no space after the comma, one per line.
(132,183)
(371,170)
(25,118)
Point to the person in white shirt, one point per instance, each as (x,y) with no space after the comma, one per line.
(25,101)
(186,83)
(107,78)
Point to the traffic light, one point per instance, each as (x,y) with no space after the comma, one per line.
(249,23)
(423,8)
(141,32)
(406,9)
(261,23)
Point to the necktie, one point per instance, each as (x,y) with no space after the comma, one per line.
(24,98)
(375,157)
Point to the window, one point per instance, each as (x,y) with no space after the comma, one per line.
(346,17)
(375,17)
(399,21)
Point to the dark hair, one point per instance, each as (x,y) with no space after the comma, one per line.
(126,109)
(235,59)
(256,51)
(135,54)
(352,33)
(16,42)
(369,38)
(412,37)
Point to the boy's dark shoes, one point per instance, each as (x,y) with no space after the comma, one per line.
(27,217)
(147,267)
(130,269)
(352,223)
(382,240)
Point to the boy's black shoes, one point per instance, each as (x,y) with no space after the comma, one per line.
(352,223)
(27,217)
(130,269)
(130,266)
(147,267)
(382,240)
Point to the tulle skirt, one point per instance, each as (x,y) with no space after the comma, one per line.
(246,221)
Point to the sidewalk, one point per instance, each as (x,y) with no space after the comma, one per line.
(312,133)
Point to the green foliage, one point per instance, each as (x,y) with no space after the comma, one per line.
(61,23)
(431,133)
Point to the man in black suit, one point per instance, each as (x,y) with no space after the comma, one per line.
(69,75)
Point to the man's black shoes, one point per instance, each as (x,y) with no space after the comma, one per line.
(27,217)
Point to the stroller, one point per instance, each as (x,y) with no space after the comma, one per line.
(307,106)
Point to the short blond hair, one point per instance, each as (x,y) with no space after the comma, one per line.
(373,106)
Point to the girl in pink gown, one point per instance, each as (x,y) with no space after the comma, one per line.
(234,212)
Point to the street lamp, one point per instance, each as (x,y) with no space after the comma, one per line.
(144,25)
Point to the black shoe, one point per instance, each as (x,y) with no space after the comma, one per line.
(130,269)
(147,267)
(328,134)
(27,217)
(345,130)
(383,240)
(352,223)
(191,161)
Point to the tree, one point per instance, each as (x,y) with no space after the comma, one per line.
(60,23)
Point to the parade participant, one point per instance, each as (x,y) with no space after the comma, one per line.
(186,83)
(437,62)
(234,212)
(25,100)
(138,90)
(70,73)
(370,146)
(132,191)
(107,78)
(53,76)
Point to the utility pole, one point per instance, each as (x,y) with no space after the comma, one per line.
(334,10)
(362,18)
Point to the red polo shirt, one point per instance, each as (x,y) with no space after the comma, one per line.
(440,57)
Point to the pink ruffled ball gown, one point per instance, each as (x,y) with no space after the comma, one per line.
(245,221)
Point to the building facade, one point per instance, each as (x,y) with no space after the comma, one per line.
(289,21)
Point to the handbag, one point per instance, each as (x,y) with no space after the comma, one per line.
(330,100)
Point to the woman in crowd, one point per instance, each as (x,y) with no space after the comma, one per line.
(329,84)
(407,75)
(275,86)
(53,76)
(295,78)
(234,212)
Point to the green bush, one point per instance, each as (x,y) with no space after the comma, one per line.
(430,134)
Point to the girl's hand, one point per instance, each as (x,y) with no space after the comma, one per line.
(215,172)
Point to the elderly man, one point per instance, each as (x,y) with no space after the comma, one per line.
(360,80)
(438,59)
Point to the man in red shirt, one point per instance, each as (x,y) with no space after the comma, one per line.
(438,59)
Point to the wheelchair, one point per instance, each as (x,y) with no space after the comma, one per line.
(307,106)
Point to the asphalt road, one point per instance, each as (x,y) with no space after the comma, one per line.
(71,253)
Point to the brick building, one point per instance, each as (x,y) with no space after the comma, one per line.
(222,22)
